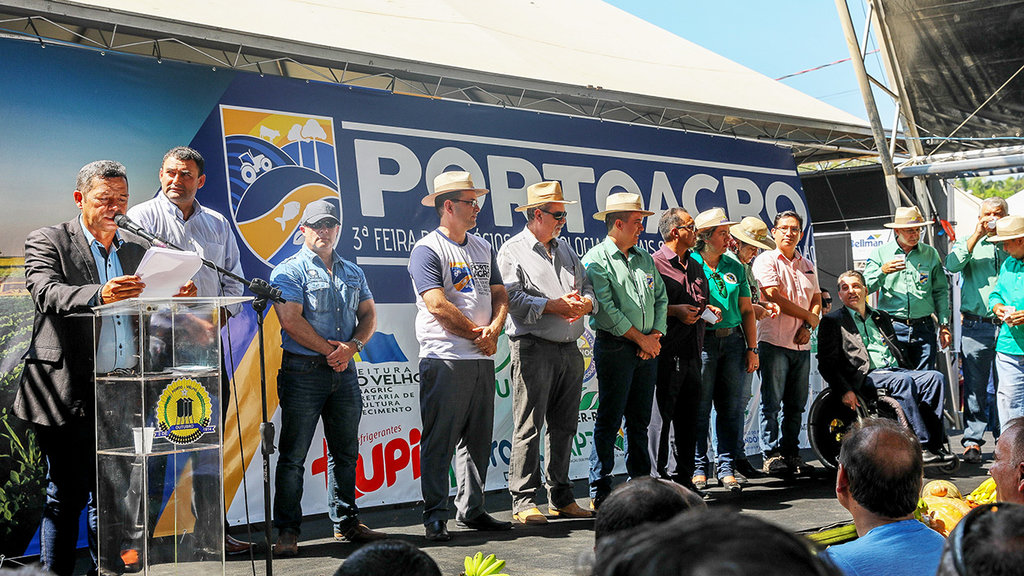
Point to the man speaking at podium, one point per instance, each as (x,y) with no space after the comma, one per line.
(70,268)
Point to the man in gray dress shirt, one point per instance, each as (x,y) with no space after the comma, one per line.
(549,293)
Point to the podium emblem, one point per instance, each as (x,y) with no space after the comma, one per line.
(184,411)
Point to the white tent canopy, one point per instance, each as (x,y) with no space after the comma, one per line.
(576,56)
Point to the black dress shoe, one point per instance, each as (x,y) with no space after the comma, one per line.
(936,456)
(485,523)
(437,531)
(745,468)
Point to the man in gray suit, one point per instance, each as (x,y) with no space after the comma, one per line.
(70,268)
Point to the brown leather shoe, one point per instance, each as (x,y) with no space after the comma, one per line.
(530,516)
(571,510)
(287,545)
(359,533)
(234,546)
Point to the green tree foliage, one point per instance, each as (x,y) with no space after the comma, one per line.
(984,188)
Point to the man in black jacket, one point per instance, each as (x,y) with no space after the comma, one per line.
(858,352)
(69,268)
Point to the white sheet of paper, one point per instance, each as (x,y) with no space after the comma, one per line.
(165,271)
(709,316)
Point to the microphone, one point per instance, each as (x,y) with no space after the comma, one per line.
(123,221)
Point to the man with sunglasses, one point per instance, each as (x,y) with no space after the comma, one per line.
(791,281)
(548,294)
(677,388)
(326,319)
(461,305)
(912,287)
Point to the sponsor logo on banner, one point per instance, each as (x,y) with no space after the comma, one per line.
(863,243)
(277,163)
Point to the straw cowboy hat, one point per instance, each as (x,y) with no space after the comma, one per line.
(1008,228)
(754,232)
(907,217)
(623,202)
(542,193)
(451,182)
(711,219)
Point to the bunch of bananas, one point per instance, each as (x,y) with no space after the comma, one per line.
(479,566)
(983,494)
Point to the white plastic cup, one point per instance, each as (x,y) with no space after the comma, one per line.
(143,437)
(901,258)
(1007,311)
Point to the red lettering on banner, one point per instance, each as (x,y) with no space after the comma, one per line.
(387,460)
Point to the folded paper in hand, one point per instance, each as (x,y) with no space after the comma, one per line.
(165,271)
(709,317)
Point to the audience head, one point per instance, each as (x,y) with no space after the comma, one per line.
(702,542)
(880,468)
(641,501)
(1008,468)
(387,557)
(987,542)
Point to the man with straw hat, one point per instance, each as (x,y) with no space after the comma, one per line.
(978,264)
(1007,302)
(461,305)
(791,281)
(629,321)
(548,292)
(912,286)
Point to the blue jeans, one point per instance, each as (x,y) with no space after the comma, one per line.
(70,452)
(784,385)
(310,390)
(721,383)
(625,389)
(918,342)
(920,394)
(1010,394)
(978,354)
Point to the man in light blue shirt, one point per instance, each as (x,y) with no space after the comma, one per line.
(878,481)
(327,317)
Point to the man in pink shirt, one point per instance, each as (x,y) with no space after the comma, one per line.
(789,280)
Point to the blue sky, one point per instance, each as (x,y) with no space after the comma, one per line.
(775,38)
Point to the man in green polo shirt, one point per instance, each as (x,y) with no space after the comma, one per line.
(978,264)
(912,286)
(630,319)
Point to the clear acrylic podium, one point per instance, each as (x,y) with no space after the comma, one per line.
(160,495)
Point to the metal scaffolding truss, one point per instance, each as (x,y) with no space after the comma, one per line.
(58,23)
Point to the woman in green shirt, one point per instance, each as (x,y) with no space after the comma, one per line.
(730,348)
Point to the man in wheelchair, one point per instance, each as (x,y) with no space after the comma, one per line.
(858,354)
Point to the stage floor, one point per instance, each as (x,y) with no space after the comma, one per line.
(552,549)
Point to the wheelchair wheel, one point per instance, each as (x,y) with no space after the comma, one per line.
(827,422)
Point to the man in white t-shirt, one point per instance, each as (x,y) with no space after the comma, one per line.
(461,306)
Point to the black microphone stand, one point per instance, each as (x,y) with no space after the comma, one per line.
(264,293)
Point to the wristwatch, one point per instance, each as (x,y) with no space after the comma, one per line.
(808,326)
(359,344)
(754,350)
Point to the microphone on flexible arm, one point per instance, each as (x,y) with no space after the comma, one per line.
(125,222)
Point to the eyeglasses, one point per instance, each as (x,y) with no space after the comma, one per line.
(472,202)
(560,215)
(691,227)
(790,229)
